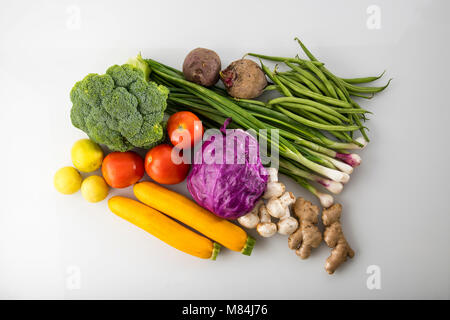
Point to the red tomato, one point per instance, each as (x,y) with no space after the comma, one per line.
(122,169)
(159,166)
(184,124)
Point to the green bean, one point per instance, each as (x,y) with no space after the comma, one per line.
(323,78)
(354,117)
(306,101)
(272,87)
(362,129)
(340,135)
(308,76)
(336,81)
(307,52)
(315,124)
(328,116)
(313,95)
(257,102)
(279,118)
(348,111)
(280,59)
(346,97)
(307,82)
(360,89)
(311,103)
(342,96)
(340,93)
(352,93)
(363,80)
(332,77)
(343,85)
(275,79)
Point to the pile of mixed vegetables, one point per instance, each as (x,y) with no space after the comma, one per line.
(309,121)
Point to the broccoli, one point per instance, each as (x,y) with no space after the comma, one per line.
(121,109)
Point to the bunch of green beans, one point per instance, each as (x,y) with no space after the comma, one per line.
(314,107)
(316,97)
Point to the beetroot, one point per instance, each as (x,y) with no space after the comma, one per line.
(244,79)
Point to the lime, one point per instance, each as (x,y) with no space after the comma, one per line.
(87,156)
(94,189)
(67,180)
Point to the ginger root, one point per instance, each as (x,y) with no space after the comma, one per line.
(334,238)
(308,235)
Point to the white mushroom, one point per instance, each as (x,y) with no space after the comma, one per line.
(287,224)
(274,188)
(251,219)
(273,174)
(266,228)
(277,206)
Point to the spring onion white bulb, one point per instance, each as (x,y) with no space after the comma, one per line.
(330,185)
(351,159)
(335,175)
(325,199)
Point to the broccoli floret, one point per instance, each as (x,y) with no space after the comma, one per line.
(120,109)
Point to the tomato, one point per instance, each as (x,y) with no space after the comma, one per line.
(159,166)
(184,124)
(122,169)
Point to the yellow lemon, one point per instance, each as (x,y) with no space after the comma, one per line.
(87,156)
(94,189)
(67,180)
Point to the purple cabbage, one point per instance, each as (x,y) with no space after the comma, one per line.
(228,183)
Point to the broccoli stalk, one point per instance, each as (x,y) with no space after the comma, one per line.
(121,109)
(139,63)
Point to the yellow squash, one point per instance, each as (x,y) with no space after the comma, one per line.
(164,228)
(191,214)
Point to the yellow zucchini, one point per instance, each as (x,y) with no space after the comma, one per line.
(164,228)
(191,214)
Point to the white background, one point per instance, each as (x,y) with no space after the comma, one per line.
(396,212)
